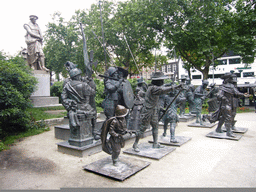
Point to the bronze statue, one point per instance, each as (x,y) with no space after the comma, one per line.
(34,40)
(140,92)
(149,112)
(227,95)
(183,94)
(199,97)
(171,114)
(213,102)
(116,127)
(190,94)
(76,100)
(113,90)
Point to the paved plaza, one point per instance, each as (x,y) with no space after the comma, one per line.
(35,163)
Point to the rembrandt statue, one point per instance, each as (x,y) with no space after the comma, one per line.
(76,96)
(34,40)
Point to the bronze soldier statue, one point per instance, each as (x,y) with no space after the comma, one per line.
(227,95)
(140,92)
(171,114)
(213,102)
(199,97)
(149,113)
(190,94)
(183,93)
(76,100)
(116,127)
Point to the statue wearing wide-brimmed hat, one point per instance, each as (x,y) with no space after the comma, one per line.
(227,96)
(149,112)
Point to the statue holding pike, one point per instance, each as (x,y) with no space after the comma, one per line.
(78,98)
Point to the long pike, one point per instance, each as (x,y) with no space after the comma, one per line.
(87,63)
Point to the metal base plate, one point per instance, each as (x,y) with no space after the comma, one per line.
(186,118)
(214,134)
(147,150)
(126,167)
(166,140)
(205,125)
(237,129)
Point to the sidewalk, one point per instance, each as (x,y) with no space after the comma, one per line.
(35,163)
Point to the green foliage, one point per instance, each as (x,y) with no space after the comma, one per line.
(40,114)
(56,89)
(16,86)
(99,94)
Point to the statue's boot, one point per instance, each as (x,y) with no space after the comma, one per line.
(172,131)
(135,145)
(229,131)
(165,128)
(218,129)
(233,125)
(155,140)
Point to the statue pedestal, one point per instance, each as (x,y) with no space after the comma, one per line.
(41,97)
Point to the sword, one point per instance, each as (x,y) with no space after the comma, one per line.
(87,63)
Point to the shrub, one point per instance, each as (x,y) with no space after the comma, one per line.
(16,86)
(56,89)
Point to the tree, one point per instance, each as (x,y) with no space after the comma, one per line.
(200,31)
(61,44)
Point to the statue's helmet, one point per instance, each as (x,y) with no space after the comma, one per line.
(74,72)
(227,76)
(121,111)
(112,70)
(159,76)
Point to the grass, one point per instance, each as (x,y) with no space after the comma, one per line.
(40,114)
(12,139)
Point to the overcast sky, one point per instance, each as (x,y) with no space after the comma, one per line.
(15,13)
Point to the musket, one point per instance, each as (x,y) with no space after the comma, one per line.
(87,63)
(109,77)
(170,104)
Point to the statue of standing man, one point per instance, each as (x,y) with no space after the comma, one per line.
(34,41)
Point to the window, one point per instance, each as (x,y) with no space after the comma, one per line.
(248,74)
(169,68)
(163,68)
(196,76)
(174,67)
(222,62)
(235,61)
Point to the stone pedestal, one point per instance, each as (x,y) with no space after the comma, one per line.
(186,118)
(41,96)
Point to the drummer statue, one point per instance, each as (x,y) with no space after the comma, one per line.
(75,97)
(226,95)
(149,112)
(199,97)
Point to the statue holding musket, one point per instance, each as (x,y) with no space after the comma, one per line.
(200,95)
(190,94)
(139,94)
(171,113)
(149,112)
(182,104)
(227,95)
